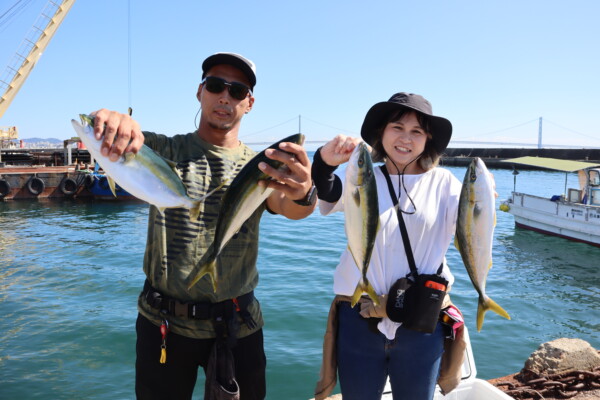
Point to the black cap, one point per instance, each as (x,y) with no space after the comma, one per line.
(233,59)
(440,128)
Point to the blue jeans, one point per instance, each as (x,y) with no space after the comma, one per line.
(366,358)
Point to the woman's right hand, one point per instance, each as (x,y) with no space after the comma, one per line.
(339,149)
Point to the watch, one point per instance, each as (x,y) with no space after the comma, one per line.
(310,197)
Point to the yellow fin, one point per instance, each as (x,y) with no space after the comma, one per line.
(371,292)
(195,210)
(111,185)
(360,289)
(486,304)
(357,294)
(207,269)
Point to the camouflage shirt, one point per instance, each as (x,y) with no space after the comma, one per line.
(175,244)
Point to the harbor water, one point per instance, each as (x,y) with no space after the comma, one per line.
(71,273)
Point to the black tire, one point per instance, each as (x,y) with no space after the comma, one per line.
(4,188)
(68,187)
(35,186)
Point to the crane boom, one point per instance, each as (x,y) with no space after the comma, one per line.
(31,50)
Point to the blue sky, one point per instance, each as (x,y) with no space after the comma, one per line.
(493,68)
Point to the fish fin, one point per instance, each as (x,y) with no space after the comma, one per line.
(214,190)
(129,156)
(485,304)
(456,244)
(371,292)
(356,197)
(111,185)
(476,210)
(195,210)
(357,294)
(210,269)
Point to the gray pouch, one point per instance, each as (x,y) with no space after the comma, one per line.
(220,375)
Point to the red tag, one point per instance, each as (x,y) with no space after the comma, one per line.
(435,285)
(164,329)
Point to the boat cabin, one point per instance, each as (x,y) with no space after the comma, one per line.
(589,187)
(588,192)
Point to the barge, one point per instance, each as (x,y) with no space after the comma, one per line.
(31,182)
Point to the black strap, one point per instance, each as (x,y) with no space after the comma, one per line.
(405,239)
(204,310)
(403,231)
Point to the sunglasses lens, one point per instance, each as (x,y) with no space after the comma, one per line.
(238,91)
(217,85)
(214,85)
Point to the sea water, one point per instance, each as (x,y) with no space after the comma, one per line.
(71,272)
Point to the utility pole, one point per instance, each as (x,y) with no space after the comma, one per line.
(540,135)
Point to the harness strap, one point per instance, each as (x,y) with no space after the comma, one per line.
(224,310)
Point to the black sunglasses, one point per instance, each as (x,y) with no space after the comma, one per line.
(237,90)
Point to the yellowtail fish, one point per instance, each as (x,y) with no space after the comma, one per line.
(361,210)
(475,232)
(146,175)
(238,203)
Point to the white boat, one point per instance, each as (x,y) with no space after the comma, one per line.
(574,216)
(470,387)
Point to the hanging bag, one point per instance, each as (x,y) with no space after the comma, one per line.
(415,300)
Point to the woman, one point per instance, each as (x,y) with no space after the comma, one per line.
(409,140)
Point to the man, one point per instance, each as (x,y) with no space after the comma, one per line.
(177,328)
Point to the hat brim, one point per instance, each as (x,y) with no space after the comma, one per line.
(440,128)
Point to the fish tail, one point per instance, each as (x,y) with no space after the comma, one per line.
(485,303)
(357,294)
(195,210)
(210,269)
(371,292)
(362,288)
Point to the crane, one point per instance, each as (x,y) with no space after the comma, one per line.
(27,55)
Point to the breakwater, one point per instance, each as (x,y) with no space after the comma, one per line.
(493,157)
(459,156)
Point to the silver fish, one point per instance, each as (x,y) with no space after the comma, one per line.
(238,203)
(146,175)
(361,210)
(475,232)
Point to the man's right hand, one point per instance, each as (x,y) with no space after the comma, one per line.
(122,134)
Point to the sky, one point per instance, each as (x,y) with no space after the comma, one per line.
(493,68)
